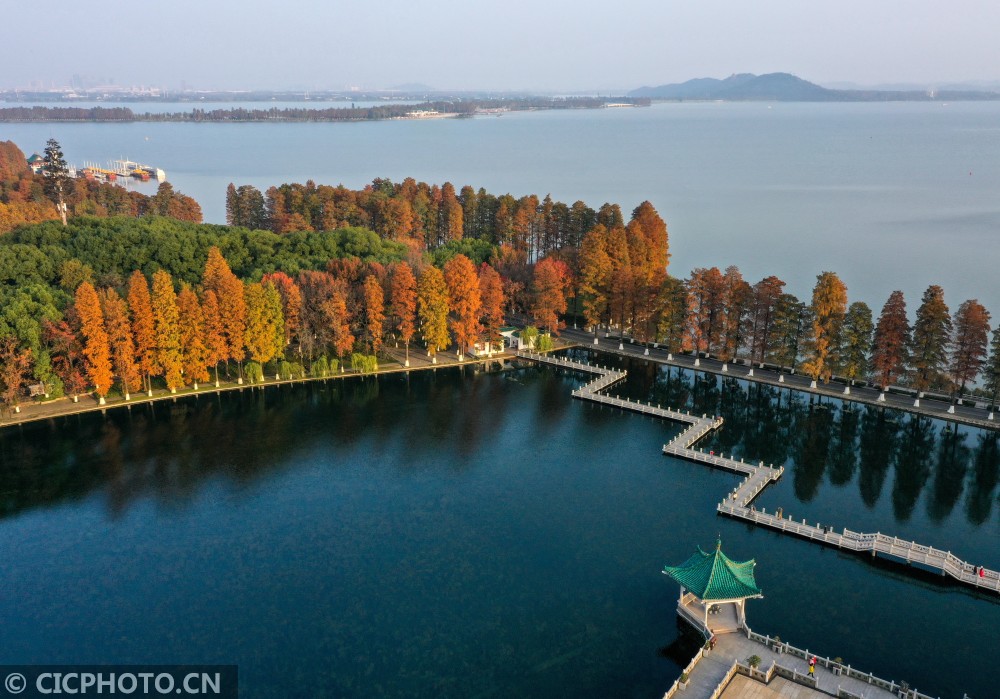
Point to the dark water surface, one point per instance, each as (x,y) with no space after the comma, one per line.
(474,534)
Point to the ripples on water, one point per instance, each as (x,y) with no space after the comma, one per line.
(459,533)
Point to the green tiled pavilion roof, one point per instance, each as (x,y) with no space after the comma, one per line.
(715,576)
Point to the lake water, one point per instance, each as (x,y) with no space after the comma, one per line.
(889,196)
(463,533)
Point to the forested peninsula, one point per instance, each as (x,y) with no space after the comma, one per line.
(310,278)
(458,108)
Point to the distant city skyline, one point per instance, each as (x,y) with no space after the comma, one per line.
(514,45)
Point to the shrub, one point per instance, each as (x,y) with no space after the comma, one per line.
(319,368)
(254,372)
(544,343)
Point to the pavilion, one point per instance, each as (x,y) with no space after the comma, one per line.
(714,590)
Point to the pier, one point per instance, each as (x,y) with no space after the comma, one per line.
(739,502)
(975,413)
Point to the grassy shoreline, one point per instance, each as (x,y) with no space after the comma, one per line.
(64,406)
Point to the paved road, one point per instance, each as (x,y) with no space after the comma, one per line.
(966,414)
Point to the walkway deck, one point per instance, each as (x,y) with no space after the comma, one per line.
(714,673)
(739,503)
(710,674)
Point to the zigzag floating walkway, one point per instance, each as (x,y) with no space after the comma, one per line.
(738,503)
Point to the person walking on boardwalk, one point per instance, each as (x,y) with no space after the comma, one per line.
(812,666)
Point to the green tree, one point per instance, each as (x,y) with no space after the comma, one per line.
(991,371)
(763,308)
(672,313)
(57,182)
(856,340)
(790,320)
(929,343)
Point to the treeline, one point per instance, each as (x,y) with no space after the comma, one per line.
(720,313)
(23,198)
(546,261)
(181,334)
(298,114)
(423,216)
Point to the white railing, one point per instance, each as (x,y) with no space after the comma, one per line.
(737,503)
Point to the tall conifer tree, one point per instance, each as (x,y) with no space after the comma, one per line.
(96,347)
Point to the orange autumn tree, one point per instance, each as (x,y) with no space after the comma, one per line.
(166,319)
(194,354)
(338,320)
(464,301)
(595,276)
(213,331)
(829,308)
(403,302)
(219,278)
(96,347)
(491,293)
(549,294)
(143,328)
(119,330)
(374,303)
(969,344)
(892,337)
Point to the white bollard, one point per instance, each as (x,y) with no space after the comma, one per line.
(916,403)
(670,357)
(750,373)
(881,397)
(725,366)
(697,361)
(847,390)
(595,340)
(781,378)
(951,409)
(621,346)
(646,353)
(990,416)
(812,384)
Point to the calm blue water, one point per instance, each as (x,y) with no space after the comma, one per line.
(890,196)
(462,534)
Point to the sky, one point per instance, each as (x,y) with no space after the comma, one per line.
(541,45)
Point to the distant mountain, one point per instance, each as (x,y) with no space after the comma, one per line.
(742,86)
(784,87)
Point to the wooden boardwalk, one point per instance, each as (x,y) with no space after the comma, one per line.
(739,502)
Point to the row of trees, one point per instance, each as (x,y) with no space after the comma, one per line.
(423,216)
(720,313)
(179,333)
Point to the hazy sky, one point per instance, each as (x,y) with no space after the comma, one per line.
(509,44)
